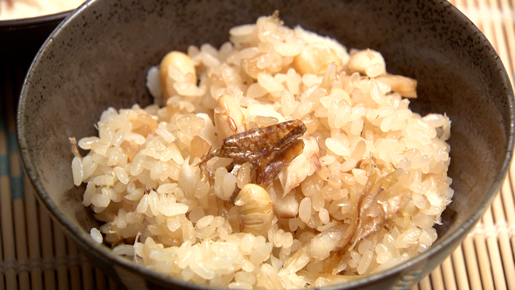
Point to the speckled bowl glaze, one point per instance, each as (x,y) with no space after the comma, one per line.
(100,55)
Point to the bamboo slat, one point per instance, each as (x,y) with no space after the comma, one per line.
(33,237)
(6,214)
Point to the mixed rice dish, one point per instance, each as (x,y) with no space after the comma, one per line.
(280,160)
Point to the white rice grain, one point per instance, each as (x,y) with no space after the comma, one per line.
(77,171)
(305,209)
(96,235)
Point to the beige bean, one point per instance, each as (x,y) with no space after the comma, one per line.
(255,209)
(368,62)
(314,59)
(228,116)
(405,86)
(183,63)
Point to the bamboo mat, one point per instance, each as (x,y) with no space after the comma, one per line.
(35,254)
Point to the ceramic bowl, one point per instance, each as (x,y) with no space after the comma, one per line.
(100,55)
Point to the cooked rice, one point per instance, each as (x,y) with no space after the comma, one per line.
(143,182)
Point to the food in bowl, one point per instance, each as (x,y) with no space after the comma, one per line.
(277,161)
(17,9)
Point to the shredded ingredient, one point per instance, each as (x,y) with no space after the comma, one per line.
(268,149)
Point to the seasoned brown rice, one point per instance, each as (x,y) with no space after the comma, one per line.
(363,196)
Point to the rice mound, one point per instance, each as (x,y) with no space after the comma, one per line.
(143,178)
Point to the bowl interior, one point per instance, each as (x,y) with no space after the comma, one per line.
(99,58)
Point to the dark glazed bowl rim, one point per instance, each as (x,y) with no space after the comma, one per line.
(104,253)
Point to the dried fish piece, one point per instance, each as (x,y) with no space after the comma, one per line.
(269,169)
(75,150)
(375,206)
(267,149)
(253,144)
(304,165)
